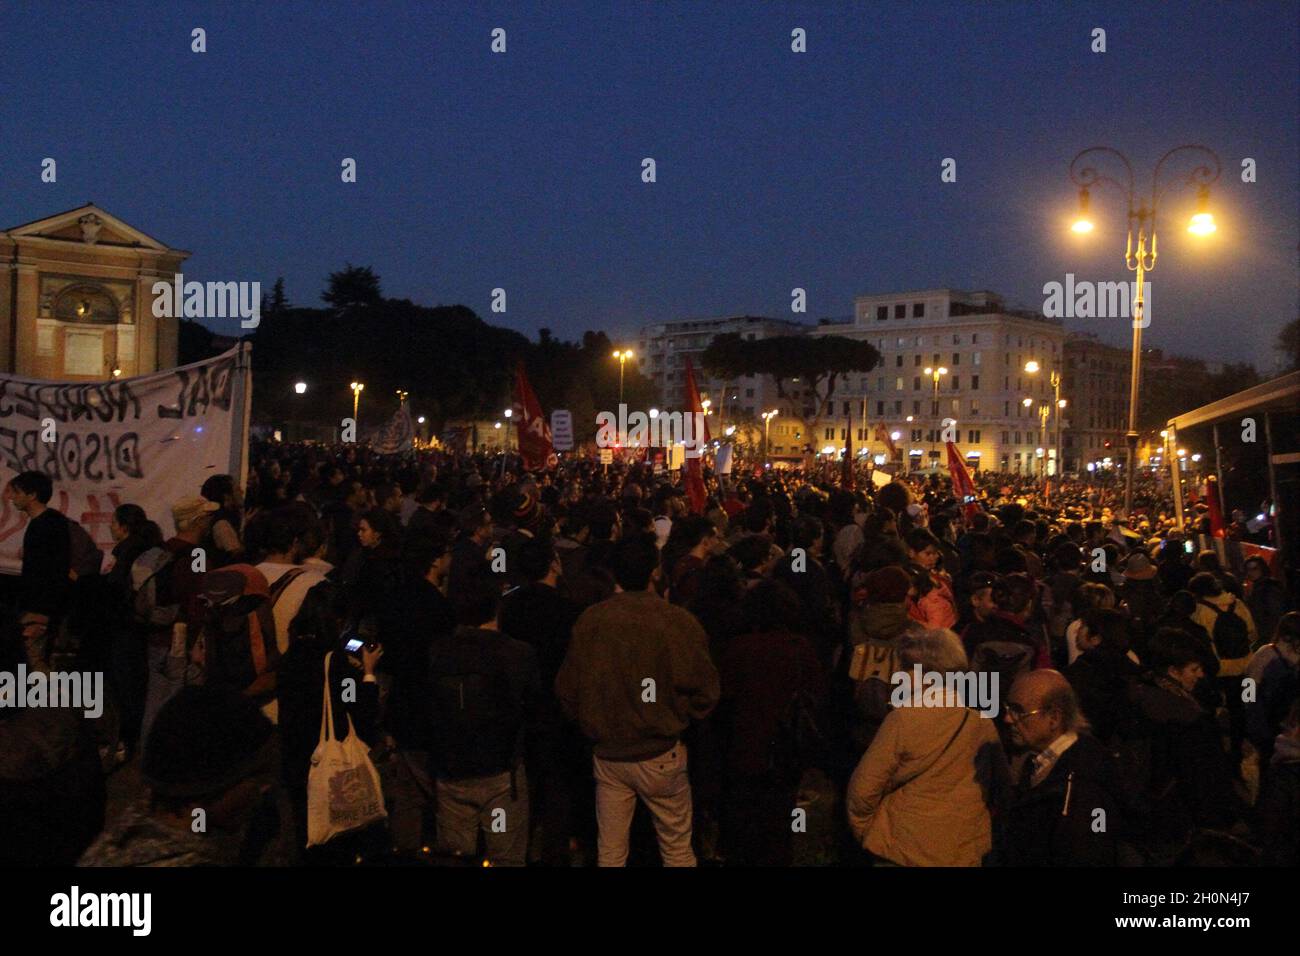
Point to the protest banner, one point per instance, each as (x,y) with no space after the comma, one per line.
(149,440)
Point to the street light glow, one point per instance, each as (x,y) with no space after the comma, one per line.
(1031,366)
(300,387)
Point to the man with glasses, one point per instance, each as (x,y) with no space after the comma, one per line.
(1063,812)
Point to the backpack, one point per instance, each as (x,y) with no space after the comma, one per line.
(152,601)
(477,721)
(872,666)
(239,645)
(1231,636)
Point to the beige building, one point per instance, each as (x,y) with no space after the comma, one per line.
(983,346)
(77,299)
(1097,383)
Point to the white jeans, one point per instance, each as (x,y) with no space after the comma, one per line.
(663,784)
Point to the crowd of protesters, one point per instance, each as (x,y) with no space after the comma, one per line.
(571,667)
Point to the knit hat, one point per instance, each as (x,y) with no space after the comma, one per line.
(205,740)
(887,585)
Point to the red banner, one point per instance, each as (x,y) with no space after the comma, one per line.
(533,431)
(694,474)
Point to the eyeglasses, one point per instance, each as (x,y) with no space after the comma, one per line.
(1016,713)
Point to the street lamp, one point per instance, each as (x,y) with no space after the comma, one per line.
(1142,262)
(935,374)
(622,355)
(767,422)
(300,387)
(1058,403)
(357,388)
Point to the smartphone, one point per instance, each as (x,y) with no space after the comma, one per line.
(1189,547)
(352,642)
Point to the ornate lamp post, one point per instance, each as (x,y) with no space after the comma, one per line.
(1142,218)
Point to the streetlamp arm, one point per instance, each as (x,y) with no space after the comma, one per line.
(1199,176)
(1087,176)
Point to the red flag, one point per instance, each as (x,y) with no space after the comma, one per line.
(882,435)
(847,479)
(962,486)
(533,432)
(694,474)
(1217,527)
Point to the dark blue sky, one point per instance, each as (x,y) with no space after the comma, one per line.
(775,169)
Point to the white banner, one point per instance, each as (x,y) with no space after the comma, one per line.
(149,441)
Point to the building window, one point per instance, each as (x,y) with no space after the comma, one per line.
(918,310)
(956,357)
(898,361)
(974,408)
(975,383)
(898,384)
(880,408)
(830,434)
(975,358)
(916,383)
(900,310)
(916,361)
(898,408)
(749,393)
(956,383)
(1004,438)
(1017,442)
(882,313)
(916,408)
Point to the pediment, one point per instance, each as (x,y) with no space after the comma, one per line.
(88,225)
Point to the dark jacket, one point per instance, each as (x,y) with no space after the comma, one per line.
(485,689)
(1178,761)
(1056,823)
(1277,822)
(760,674)
(47,556)
(1103,681)
(541,617)
(426,616)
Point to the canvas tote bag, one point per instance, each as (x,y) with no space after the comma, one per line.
(343,792)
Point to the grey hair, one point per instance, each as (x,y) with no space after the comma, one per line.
(938,649)
(1063,700)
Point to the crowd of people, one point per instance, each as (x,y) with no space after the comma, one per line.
(575,667)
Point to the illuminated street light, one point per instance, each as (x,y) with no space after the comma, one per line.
(300,387)
(622,355)
(357,388)
(1141,215)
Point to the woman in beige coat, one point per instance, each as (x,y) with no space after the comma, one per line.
(924,791)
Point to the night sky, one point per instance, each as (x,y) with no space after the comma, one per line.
(775,169)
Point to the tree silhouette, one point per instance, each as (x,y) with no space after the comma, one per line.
(352,287)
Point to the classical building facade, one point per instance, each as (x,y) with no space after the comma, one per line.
(983,346)
(77,298)
(1096,383)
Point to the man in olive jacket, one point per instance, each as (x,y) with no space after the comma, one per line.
(636,673)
